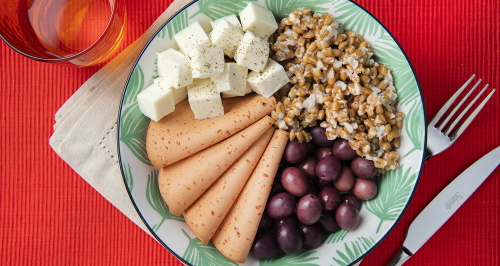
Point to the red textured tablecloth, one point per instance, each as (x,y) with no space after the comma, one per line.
(51,216)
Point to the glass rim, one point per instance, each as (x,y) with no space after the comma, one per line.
(70,57)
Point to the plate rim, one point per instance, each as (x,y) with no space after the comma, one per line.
(130,193)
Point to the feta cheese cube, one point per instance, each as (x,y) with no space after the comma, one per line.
(207,60)
(174,68)
(232,19)
(179,94)
(258,20)
(247,91)
(204,99)
(228,36)
(156,102)
(187,38)
(233,80)
(252,52)
(272,78)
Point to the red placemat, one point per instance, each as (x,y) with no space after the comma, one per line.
(50,216)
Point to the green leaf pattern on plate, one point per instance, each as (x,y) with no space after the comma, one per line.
(355,251)
(156,201)
(177,24)
(135,85)
(162,33)
(356,19)
(301,258)
(394,188)
(156,69)
(198,253)
(415,117)
(128,177)
(134,125)
(337,236)
(388,53)
(281,8)
(215,9)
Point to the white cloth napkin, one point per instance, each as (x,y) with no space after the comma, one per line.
(85,129)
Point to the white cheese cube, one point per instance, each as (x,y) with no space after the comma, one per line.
(187,38)
(232,19)
(156,102)
(258,20)
(247,91)
(204,99)
(179,94)
(207,60)
(272,78)
(233,80)
(228,36)
(174,68)
(252,52)
(205,23)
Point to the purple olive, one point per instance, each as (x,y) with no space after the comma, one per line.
(365,189)
(351,199)
(265,246)
(311,235)
(295,151)
(363,168)
(294,181)
(345,180)
(309,209)
(328,168)
(342,150)
(322,152)
(330,197)
(319,138)
(308,166)
(347,217)
(280,206)
(289,239)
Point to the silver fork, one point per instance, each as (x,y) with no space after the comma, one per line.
(439,140)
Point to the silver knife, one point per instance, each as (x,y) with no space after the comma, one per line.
(444,205)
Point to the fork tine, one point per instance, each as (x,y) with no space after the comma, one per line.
(464,126)
(447,105)
(465,111)
(441,127)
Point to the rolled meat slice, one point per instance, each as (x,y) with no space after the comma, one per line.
(179,134)
(208,211)
(236,233)
(183,182)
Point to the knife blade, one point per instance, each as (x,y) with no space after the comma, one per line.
(445,204)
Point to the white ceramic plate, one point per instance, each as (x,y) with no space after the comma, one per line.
(378,216)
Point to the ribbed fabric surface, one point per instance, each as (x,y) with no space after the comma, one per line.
(51,216)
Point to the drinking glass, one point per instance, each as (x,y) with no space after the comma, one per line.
(76,32)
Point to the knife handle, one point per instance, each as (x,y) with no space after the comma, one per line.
(402,256)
